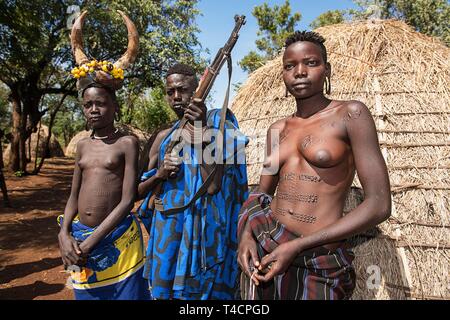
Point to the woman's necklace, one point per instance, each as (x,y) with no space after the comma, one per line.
(105,137)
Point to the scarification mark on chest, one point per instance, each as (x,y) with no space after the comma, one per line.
(296,216)
(292,176)
(94,209)
(298,197)
(310,140)
(102,193)
(109,179)
(307,142)
(283,135)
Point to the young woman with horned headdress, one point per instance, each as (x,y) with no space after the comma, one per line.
(292,246)
(100,241)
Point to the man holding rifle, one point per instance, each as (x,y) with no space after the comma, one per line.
(193,194)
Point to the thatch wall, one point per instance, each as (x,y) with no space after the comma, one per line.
(31,144)
(71,149)
(403,77)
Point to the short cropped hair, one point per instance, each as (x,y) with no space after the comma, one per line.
(187,70)
(309,36)
(180,68)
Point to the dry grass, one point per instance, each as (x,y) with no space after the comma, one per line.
(71,148)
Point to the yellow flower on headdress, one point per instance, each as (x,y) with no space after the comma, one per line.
(94,65)
(102,71)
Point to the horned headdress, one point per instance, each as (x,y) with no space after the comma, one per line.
(103,73)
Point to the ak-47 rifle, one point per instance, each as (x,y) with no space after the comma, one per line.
(202,91)
(209,76)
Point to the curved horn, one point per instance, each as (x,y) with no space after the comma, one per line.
(76,40)
(133,44)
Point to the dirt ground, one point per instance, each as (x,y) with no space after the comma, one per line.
(30,264)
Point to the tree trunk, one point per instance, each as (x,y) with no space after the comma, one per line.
(47,141)
(2,178)
(14,157)
(36,150)
(26,115)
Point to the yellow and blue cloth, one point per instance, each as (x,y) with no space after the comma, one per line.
(114,268)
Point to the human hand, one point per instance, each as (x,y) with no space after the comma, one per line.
(170,164)
(276,262)
(196,111)
(248,258)
(71,253)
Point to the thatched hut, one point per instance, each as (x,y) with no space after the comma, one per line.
(36,142)
(403,77)
(71,148)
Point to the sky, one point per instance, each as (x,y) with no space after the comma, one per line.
(217,21)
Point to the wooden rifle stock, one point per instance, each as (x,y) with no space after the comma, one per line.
(211,72)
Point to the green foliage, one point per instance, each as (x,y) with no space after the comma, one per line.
(37,39)
(68,121)
(33,39)
(252,61)
(275,25)
(151,111)
(237,86)
(19,173)
(35,53)
(430,17)
(328,18)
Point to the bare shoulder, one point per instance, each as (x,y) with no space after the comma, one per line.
(129,142)
(279,124)
(162,134)
(155,142)
(355,109)
(358,122)
(83,141)
(82,144)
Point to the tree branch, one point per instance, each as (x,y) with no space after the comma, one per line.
(63,90)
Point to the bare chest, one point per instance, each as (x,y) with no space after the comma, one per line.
(101,156)
(320,142)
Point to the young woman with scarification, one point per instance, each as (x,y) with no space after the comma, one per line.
(293,245)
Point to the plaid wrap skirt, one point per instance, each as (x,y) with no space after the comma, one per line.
(315,274)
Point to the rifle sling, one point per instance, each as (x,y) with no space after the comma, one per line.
(219,152)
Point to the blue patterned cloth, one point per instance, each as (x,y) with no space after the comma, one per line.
(192,254)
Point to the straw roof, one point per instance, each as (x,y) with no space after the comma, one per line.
(403,77)
(71,149)
(55,149)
